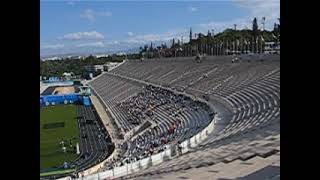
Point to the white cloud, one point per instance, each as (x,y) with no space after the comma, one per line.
(93,44)
(270,9)
(52,46)
(175,33)
(71,3)
(130,33)
(219,26)
(83,36)
(192,9)
(133,41)
(106,13)
(261,8)
(256,8)
(112,42)
(150,37)
(155,38)
(91,15)
(144,38)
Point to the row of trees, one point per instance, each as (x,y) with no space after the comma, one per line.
(77,66)
(226,42)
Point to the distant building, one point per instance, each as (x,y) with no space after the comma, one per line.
(68,76)
(121,54)
(94,68)
(272,47)
(111,65)
(52,58)
(101,55)
(75,57)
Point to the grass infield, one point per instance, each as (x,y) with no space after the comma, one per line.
(57,123)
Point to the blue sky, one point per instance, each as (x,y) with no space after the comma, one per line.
(100,26)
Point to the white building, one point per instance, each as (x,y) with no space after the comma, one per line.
(102,55)
(271,47)
(52,58)
(67,75)
(112,65)
(94,68)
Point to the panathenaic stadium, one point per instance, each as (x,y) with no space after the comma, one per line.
(178,118)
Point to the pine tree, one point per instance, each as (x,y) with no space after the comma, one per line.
(173,43)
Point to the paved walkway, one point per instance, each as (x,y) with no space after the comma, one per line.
(105,119)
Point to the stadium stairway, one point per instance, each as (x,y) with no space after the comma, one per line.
(252,168)
(228,159)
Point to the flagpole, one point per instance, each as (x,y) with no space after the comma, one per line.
(252,45)
(215,48)
(261,45)
(218,48)
(235,46)
(262,42)
(246,47)
(257,45)
(227,47)
(219,52)
(241,46)
(211,49)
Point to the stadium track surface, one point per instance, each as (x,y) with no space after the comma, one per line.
(95,142)
(48,91)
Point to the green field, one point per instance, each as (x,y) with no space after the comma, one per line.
(57,123)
